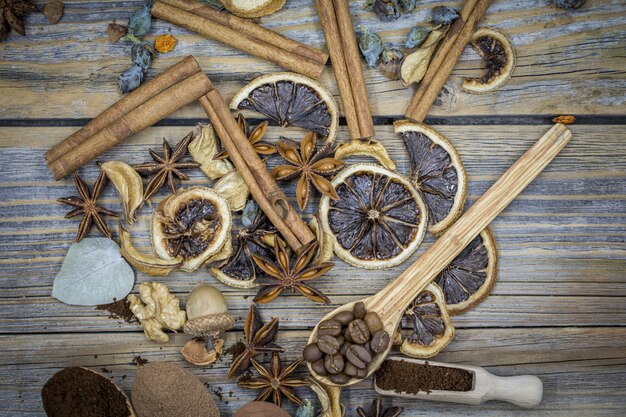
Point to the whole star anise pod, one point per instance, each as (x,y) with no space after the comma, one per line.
(376,410)
(12,14)
(166,167)
(259,338)
(275,381)
(254,137)
(87,205)
(310,164)
(284,274)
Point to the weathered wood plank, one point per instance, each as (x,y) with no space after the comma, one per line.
(582,369)
(567,62)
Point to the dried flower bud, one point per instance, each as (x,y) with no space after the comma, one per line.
(417,36)
(391,54)
(391,60)
(139,22)
(371,47)
(140,55)
(116,32)
(407,5)
(130,79)
(165,43)
(386,10)
(250,213)
(443,15)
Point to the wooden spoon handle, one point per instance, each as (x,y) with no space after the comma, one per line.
(392,300)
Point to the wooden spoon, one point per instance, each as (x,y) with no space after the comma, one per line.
(392,301)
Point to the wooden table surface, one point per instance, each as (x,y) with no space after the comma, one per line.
(558,310)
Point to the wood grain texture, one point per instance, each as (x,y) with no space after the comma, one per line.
(567,62)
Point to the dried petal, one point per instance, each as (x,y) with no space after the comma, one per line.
(130,79)
(165,43)
(140,54)
(139,22)
(417,36)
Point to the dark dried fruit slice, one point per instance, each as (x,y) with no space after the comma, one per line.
(432,328)
(379,219)
(470,276)
(495,48)
(436,171)
(291,99)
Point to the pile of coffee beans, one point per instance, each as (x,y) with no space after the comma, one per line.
(347,344)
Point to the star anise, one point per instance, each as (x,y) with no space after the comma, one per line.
(275,381)
(166,167)
(376,410)
(310,164)
(87,205)
(259,338)
(12,14)
(254,137)
(283,275)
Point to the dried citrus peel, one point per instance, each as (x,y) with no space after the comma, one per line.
(253,8)
(203,150)
(148,264)
(233,188)
(414,65)
(369,147)
(128,184)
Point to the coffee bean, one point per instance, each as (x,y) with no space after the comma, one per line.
(367,346)
(380,341)
(350,369)
(358,356)
(312,353)
(344,347)
(319,368)
(361,372)
(359,310)
(344,317)
(346,335)
(329,327)
(334,364)
(359,331)
(340,379)
(328,344)
(373,322)
(340,339)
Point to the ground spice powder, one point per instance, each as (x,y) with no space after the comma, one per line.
(119,310)
(409,377)
(79,392)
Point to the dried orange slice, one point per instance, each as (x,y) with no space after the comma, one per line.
(436,172)
(379,219)
(291,99)
(495,48)
(253,8)
(430,321)
(470,276)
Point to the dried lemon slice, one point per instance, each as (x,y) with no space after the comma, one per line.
(436,171)
(470,276)
(432,328)
(253,8)
(291,99)
(379,219)
(495,48)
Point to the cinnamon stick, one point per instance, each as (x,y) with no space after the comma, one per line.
(141,117)
(272,51)
(147,90)
(255,174)
(446,58)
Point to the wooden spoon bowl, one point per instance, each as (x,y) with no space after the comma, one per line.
(392,301)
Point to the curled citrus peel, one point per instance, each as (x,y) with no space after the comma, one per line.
(148,264)
(368,147)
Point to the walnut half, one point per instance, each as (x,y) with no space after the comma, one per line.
(159,310)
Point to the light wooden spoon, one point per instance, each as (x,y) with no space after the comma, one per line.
(392,301)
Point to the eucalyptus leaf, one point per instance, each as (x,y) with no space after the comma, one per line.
(93,273)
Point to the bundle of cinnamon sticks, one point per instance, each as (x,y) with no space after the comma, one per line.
(242,34)
(344,54)
(448,54)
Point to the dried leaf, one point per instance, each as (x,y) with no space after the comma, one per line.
(128,184)
(415,65)
(203,149)
(234,190)
(372,148)
(93,273)
(148,264)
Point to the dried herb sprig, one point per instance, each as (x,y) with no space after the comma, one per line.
(141,51)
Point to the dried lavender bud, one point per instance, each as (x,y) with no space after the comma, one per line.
(141,56)
(250,212)
(569,4)
(443,15)
(139,22)
(130,79)
(371,47)
(417,36)
(216,4)
(407,5)
(390,55)
(386,10)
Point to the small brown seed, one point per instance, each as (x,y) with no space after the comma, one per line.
(312,353)
(373,322)
(340,379)
(380,341)
(359,331)
(329,327)
(358,356)
(334,364)
(359,310)
(344,347)
(328,344)
(319,368)
(344,317)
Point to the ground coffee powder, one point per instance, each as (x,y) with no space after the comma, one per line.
(409,377)
(79,392)
(119,310)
